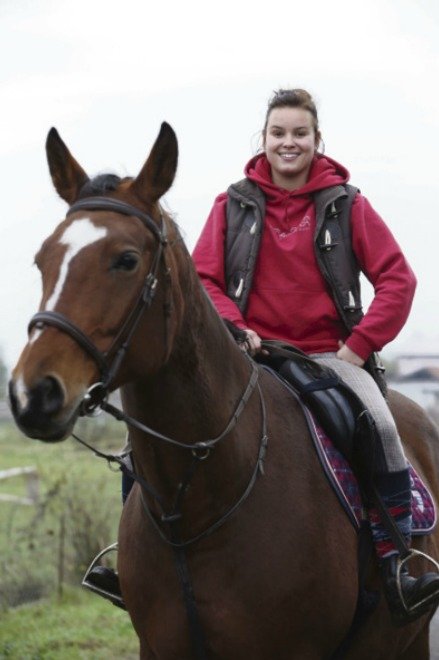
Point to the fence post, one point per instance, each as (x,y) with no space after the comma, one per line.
(31,477)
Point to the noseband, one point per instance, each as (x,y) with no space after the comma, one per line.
(108,370)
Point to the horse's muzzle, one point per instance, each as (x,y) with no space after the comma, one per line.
(38,410)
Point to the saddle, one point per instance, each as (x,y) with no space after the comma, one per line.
(337,408)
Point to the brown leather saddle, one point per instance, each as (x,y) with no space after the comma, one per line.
(339,411)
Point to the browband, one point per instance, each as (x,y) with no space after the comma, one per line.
(110,204)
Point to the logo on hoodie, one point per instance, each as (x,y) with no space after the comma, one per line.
(304,225)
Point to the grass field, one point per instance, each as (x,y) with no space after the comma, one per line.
(45,548)
(80,626)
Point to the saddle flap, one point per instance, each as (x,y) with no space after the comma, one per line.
(326,399)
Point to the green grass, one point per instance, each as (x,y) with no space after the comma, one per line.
(80,626)
(45,546)
(16,449)
(44,550)
(64,461)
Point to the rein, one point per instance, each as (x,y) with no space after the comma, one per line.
(173,518)
(203,446)
(200,451)
(96,398)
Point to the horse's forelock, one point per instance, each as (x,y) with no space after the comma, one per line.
(100,185)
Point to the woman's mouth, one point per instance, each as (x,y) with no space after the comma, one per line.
(289,157)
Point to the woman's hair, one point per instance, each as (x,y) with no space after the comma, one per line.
(293,98)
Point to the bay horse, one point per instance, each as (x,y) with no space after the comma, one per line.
(266,553)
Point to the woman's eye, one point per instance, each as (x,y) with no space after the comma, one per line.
(126,261)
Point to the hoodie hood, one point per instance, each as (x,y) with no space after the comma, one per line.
(324,172)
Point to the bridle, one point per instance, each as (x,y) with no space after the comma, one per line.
(96,398)
(109,369)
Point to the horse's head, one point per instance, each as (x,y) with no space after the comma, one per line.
(105,273)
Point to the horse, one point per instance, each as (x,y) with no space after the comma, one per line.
(231,535)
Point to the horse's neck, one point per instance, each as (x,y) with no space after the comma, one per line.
(192,399)
(204,377)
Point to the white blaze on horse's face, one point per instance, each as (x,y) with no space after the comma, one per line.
(79,235)
(21,391)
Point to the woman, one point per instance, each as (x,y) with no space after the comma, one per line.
(276,287)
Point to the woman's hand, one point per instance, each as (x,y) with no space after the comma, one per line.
(252,344)
(345,353)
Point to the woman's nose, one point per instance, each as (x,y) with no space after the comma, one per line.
(289,140)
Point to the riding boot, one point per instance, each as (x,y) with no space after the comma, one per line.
(408,597)
(100,579)
(105,582)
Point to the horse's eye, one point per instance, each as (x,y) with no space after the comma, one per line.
(126,261)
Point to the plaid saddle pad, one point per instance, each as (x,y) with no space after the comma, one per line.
(345,484)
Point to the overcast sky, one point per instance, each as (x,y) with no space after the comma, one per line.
(106,74)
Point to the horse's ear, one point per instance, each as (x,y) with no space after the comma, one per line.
(158,173)
(67,175)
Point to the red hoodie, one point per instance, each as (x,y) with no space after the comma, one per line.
(290,299)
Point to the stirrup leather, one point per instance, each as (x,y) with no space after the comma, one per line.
(425,601)
(102,592)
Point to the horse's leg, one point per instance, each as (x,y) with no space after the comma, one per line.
(419,649)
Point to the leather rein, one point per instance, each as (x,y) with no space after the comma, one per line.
(96,399)
(97,394)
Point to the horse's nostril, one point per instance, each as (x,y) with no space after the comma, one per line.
(45,398)
(50,395)
(39,409)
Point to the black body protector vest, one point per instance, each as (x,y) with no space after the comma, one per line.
(332,247)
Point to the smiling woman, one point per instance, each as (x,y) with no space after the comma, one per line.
(281,255)
(291,137)
(290,145)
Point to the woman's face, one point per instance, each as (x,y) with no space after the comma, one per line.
(290,145)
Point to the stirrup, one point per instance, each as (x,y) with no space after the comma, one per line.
(414,609)
(115,599)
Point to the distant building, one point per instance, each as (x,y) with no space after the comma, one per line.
(409,363)
(418,378)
